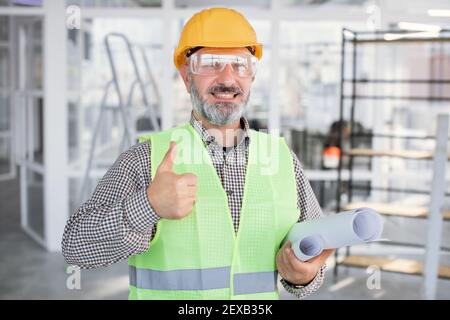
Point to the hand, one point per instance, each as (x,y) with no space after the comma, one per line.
(296,271)
(172,195)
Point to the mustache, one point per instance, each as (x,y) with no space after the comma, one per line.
(224,89)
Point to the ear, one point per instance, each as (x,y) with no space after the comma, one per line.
(184,75)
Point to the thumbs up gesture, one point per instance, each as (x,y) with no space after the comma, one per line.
(172,195)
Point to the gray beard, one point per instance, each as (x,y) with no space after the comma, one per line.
(220,113)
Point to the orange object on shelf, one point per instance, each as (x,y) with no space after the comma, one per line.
(332,151)
(331,157)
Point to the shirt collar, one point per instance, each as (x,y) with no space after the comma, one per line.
(208,138)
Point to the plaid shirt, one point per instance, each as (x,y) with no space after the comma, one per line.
(118,221)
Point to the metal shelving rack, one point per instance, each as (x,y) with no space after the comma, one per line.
(435,214)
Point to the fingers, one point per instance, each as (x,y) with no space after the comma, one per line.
(284,253)
(321,259)
(291,267)
(189,179)
(188,192)
(281,266)
(182,208)
(187,185)
(187,204)
(293,262)
(286,260)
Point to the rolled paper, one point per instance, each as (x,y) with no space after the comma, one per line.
(308,247)
(310,238)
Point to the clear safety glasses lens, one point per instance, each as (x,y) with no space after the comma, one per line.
(209,64)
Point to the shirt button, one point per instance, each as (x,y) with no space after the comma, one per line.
(229,192)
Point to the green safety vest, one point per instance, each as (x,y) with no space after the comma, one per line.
(201,256)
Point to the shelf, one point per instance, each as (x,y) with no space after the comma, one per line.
(418,155)
(381,32)
(408,244)
(402,40)
(407,81)
(404,266)
(395,209)
(396,98)
(351,98)
(399,190)
(391,136)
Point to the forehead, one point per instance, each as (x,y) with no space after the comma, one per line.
(224,50)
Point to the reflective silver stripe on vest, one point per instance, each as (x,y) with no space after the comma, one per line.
(255,282)
(203,279)
(192,279)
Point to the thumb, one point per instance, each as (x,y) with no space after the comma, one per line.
(167,163)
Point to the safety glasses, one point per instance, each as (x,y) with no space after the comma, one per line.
(210,64)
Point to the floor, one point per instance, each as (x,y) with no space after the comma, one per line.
(27,271)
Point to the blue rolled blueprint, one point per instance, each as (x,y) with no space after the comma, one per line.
(310,238)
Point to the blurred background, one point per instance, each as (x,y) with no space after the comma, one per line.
(360,89)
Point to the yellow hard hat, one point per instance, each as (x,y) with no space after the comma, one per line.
(216,27)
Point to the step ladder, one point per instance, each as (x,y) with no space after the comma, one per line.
(123,109)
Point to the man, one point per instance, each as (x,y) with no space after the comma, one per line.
(195,208)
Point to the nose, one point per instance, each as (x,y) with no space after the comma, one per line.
(226,76)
